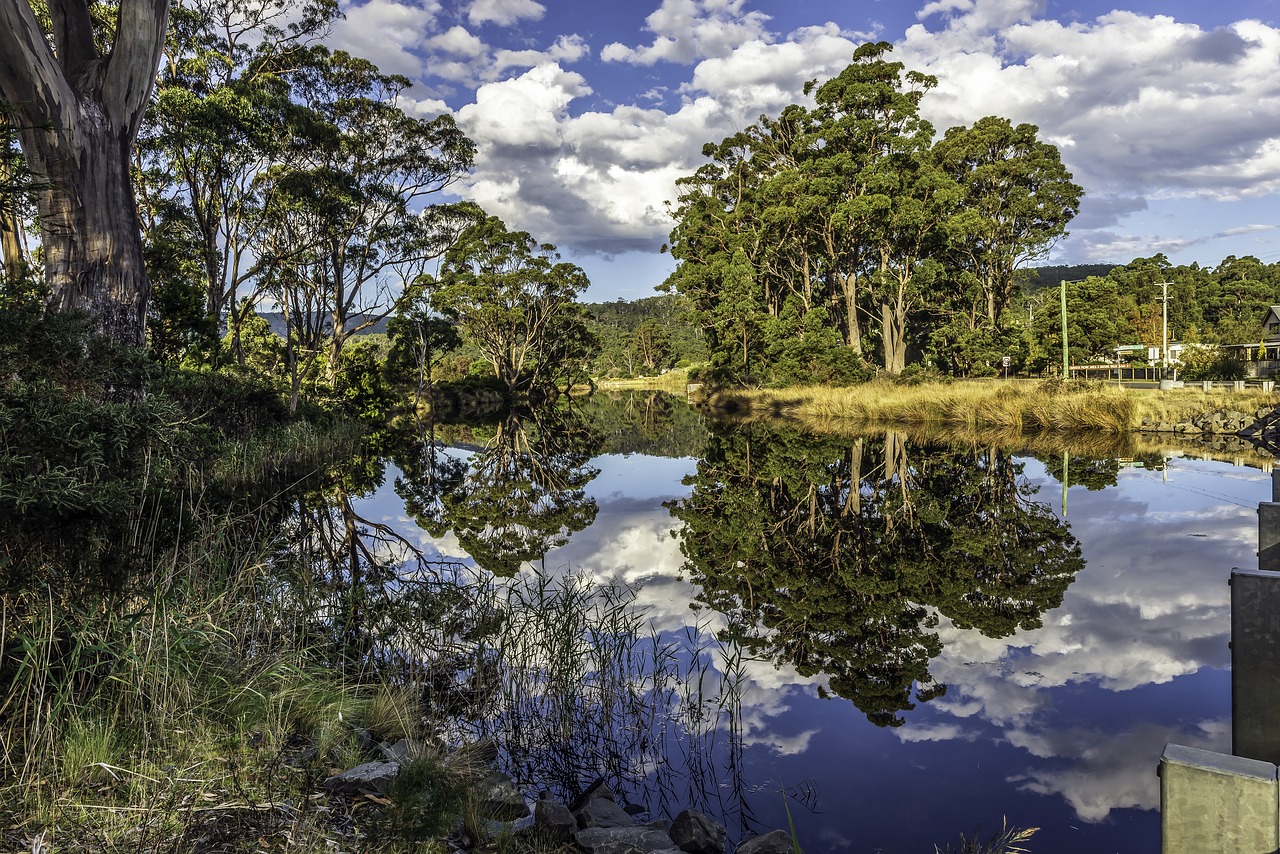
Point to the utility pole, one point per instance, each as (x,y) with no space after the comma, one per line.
(1066,369)
(1164,324)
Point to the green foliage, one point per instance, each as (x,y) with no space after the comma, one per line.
(264,350)
(845,225)
(829,554)
(361,383)
(1209,362)
(517,305)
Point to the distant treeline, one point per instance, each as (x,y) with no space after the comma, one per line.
(1107,305)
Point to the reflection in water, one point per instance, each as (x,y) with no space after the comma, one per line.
(836,556)
(520,496)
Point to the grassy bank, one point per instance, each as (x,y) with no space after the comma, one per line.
(1011,408)
(674,381)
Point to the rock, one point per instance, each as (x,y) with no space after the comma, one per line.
(371,778)
(1164,427)
(500,799)
(777,842)
(601,812)
(598,789)
(402,751)
(624,840)
(553,822)
(695,833)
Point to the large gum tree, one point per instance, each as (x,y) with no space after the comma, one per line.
(78,94)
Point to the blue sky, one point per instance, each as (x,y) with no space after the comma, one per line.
(586,111)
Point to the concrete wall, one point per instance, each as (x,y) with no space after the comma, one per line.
(1211,803)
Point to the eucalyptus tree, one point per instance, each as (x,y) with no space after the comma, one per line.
(355,192)
(78,94)
(517,303)
(868,153)
(1018,200)
(222,116)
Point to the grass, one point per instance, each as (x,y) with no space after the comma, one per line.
(675,381)
(1011,408)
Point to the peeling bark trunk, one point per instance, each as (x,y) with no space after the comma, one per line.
(893,329)
(89,227)
(78,113)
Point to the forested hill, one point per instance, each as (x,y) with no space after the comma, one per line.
(644,337)
(1038,278)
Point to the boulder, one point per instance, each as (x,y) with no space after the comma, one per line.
(500,799)
(624,840)
(777,842)
(695,833)
(553,822)
(371,778)
(602,812)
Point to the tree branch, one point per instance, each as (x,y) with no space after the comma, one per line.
(73,36)
(30,77)
(131,70)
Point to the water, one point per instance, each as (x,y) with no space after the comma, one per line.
(895,642)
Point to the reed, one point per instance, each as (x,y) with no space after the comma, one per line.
(1016,407)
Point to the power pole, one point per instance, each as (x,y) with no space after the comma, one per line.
(1164,324)
(1066,369)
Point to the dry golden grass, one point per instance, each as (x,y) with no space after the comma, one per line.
(1010,408)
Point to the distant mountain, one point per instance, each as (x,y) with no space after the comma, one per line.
(279,327)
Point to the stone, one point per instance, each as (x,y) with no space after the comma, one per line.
(602,812)
(500,798)
(598,789)
(695,833)
(553,822)
(777,842)
(371,778)
(402,751)
(623,840)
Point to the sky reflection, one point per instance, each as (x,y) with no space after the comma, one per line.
(1059,727)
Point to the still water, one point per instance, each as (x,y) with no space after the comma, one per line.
(890,642)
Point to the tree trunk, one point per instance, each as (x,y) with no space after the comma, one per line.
(10,227)
(78,112)
(893,330)
(11,243)
(89,227)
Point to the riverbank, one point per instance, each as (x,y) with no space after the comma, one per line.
(1015,407)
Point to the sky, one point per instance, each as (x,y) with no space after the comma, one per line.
(585,112)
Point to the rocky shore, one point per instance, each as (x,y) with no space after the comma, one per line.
(593,823)
(1225,429)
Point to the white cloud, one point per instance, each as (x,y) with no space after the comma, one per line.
(505,12)
(1142,107)
(386,31)
(600,181)
(457,41)
(688,30)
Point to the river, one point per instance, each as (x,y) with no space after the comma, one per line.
(885,641)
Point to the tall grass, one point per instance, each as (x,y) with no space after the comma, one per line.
(1021,408)
(133,716)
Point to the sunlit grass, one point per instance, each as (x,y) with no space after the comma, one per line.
(1013,407)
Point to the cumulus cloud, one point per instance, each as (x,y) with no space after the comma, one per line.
(504,12)
(599,182)
(688,30)
(388,32)
(1143,107)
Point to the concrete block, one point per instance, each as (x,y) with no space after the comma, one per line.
(1255,664)
(1211,803)
(1269,536)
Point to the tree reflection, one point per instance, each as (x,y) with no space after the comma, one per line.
(519,497)
(836,555)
